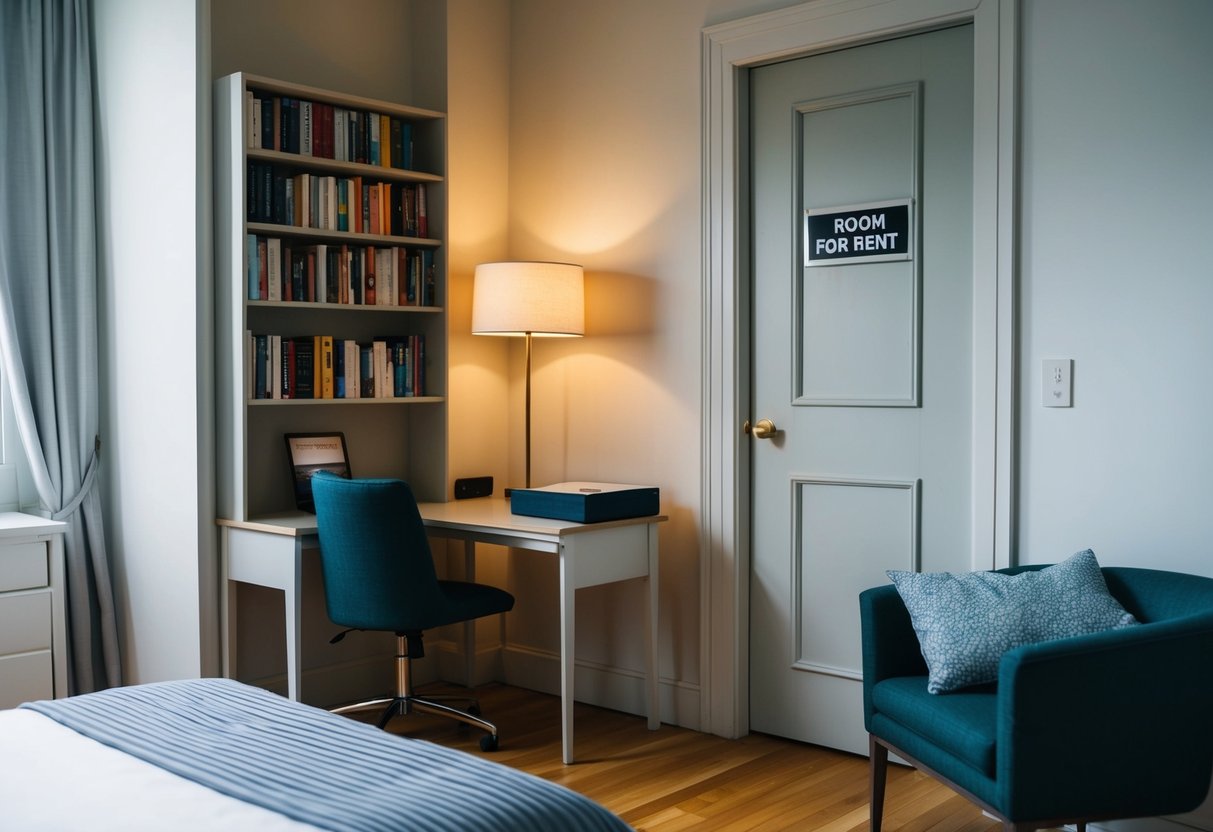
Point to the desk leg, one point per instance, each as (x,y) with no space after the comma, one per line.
(293,594)
(469,627)
(651,634)
(568,618)
(227,607)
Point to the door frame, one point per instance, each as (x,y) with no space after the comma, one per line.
(729,51)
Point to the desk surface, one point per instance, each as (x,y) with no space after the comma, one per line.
(459,515)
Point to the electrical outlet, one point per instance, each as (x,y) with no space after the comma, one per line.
(1056,382)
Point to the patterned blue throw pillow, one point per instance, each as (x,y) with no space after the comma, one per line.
(965,622)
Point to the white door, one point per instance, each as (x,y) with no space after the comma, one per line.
(861,164)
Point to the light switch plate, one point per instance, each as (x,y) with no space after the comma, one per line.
(1056,382)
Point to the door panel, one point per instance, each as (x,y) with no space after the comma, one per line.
(875,521)
(863,363)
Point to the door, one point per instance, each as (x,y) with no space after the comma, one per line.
(861,170)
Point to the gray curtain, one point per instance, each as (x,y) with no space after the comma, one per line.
(48,299)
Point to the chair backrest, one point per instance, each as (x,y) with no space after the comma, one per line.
(378,570)
(1157,595)
(1151,594)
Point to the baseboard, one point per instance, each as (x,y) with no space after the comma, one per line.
(596,684)
(330,685)
(602,685)
(486,665)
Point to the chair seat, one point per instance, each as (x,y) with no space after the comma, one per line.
(466,601)
(962,723)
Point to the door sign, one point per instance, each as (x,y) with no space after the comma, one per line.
(858,234)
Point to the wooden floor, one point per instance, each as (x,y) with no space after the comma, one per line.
(674,779)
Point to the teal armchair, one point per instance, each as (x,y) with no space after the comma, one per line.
(1109,725)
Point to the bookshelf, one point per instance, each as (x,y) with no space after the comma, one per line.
(330,241)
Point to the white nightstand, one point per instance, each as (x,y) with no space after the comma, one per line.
(33,637)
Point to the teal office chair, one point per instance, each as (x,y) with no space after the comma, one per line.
(1103,726)
(379,575)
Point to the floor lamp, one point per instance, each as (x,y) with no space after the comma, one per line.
(528,299)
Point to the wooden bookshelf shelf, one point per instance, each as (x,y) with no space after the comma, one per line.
(340,168)
(270,229)
(400,400)
(345,307)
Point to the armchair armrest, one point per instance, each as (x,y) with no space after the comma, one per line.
(1128,710)
(890,645)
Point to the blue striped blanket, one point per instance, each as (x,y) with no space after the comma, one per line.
(318,768)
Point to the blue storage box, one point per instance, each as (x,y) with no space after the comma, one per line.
(586,502)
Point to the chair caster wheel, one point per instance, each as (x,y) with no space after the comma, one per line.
(488,742)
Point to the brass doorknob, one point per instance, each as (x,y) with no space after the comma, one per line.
(762,429)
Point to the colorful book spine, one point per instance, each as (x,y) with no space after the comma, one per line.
(352,375)
(366,365)
(327,378)
(428,282)
(259,364)
(385,141)
(423,223)
(253,267)
(338,368)
(287,368)
(304,385)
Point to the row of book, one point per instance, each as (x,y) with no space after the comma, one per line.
(335,203)
(286,270)
(324,367)
(313,128)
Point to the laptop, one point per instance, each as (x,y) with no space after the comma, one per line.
(307,453)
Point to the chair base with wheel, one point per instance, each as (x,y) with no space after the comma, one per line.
(409,646)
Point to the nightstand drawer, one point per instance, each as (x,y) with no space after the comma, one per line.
(25,623)
(23,566)
(25,678)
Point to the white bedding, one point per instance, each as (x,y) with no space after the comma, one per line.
(53,779)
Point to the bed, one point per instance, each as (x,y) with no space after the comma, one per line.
(215,754)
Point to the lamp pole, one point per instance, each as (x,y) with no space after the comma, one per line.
(528,410)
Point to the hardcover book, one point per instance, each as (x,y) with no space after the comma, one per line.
(586,502)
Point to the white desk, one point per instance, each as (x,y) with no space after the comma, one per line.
(268,551)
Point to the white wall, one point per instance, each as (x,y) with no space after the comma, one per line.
(1115,273)
(478,106)
(358,48)
(148,158)
(605,171)
(478,118)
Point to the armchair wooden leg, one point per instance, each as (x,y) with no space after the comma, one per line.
(878,756)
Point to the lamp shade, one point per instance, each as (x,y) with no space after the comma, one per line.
(517,298)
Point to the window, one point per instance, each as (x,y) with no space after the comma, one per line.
(16,483)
